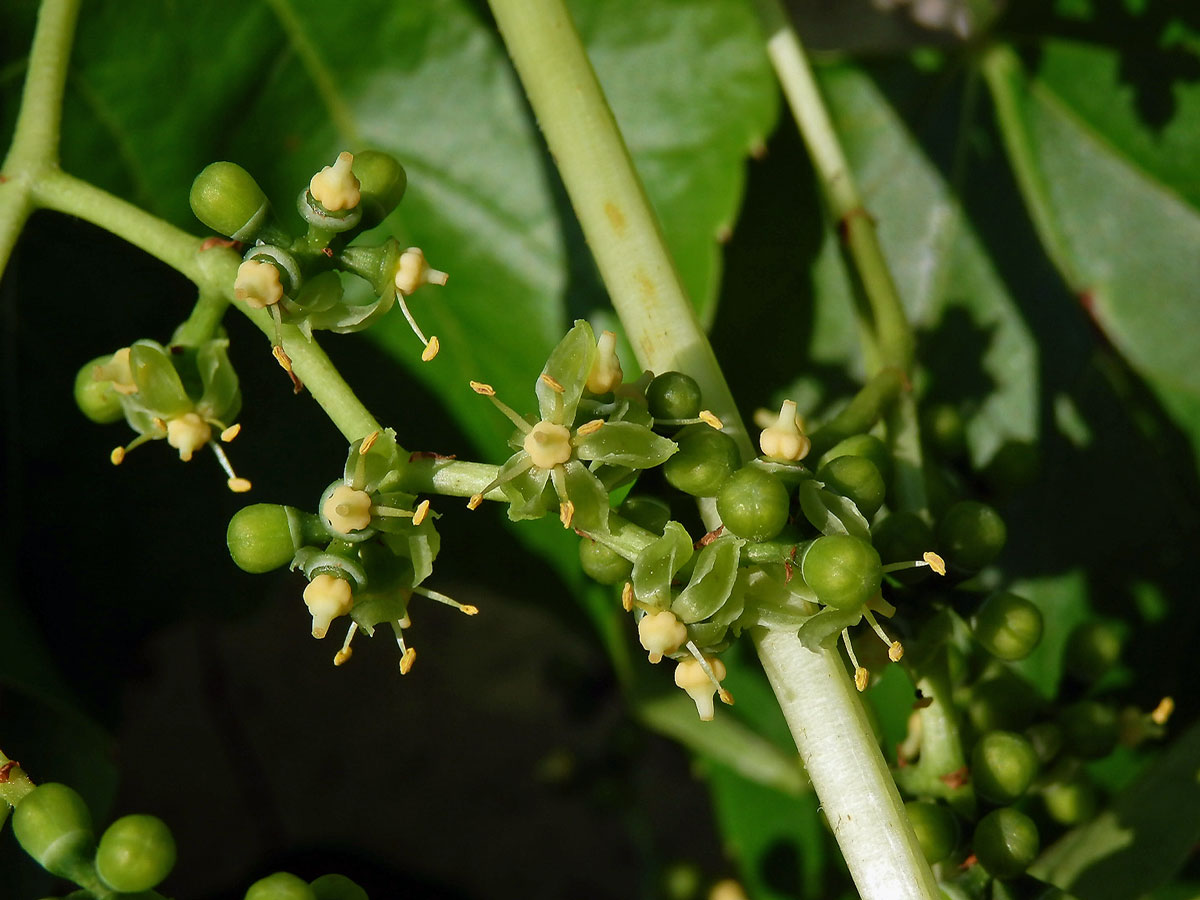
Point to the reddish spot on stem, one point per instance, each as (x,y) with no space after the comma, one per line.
(616,218)
(3,178)
(709,538)
(843,225)
(901,759)
(968,862)
(328,252)
(787,571)
(956,779)
(429,454)
(6,768)
(211,242)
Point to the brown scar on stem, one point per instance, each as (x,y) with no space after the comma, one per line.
(645,282)
(788,570)
(843,224)
(429,454)
(327,251)
(210,242)
(709,538)
(616,218)
(968,862)
(6,768)
(956,779)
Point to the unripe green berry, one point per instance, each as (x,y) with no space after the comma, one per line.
(936,828)
(673,395)
(843,571)
(1006,842)
(970,535)
(1071,801)
(646,512)
(1090,729)
(382,182)
(863,445)
(1008,626)
(753,504)
(259,537)
(1092,650)
(337,887)
(1004,701)
(857,478)
(1003,765)
(705,459)
(135,853)
(227,199)
(52,824)
(943,427)
(96,399)
(280,886)
(602,563)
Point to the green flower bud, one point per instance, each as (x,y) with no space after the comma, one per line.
(52,824)
(753,504)
(96,397)
(603,563)
(280,886)
(842,570)
(337,887)
(706,458)
(936,828)
(266,536)
(1090,729)
(970,535)
(673,395)
(382,183)
(1008,626)
(1006,842)
(858,479)
(1072,800)
(135,853)
(227,199)
(943,427)
(863,445)
(1003,765)
(1092,650)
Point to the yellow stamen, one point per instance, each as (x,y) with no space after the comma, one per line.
(239,485)
(420,512)
(711,420)
(117,456)
(474,502)
(627,597)
(343,655)
(934,562)
(367,443)
(231,432)
(590,427)
(896,651)
(861,677)
(1163,711)
(551,383)
(431,349)
(407,660)
(566,512)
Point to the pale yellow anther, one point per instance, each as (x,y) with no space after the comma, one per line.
(690,676)
(257,284)
(785,441)
(343,656)
(367,443)
(468,609)
(335,187)
(474,502)
(606,371)
(861,677)
(230,433)
(896,651)
(553,383)
(627,597)
(589,427)
(118,371)
(347,510)
(707,417)
(934,562)
(485,389)
(727,889)
(407,660)
(414,271)
(187,434)
(566,512)
(661,633)
(239,485)
(420,512)
(1163,711)
(548,445)
(117,456)
(431,349)
(327,597)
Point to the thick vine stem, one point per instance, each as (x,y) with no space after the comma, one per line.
(841,757)
(609,200)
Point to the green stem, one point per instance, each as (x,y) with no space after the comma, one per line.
(869,405)
(35,141)
(204,319)
(16,784)
(838,748)
(609,200)
(1010,94)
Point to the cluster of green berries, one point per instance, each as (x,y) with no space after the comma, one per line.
(318,280)
(365,552)
(134,854)
(181,393)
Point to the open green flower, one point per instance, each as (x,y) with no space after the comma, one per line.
(555,449)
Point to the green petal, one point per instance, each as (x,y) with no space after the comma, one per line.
(372,609)
(832,513)
(712,581)
(589,497)
(222,398)
(378,468)
(657,564)
(625,444)
(525,490)
(569,364)
(159,390)
(822,630)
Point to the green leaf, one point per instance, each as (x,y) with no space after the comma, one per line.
(1139,842)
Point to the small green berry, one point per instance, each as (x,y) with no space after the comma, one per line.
(753,504)
(1004,701)
(857,478)
(135,853)
(647,512)
(1071,801)
(1006,841)
(936,828)
(843,571)
(1008,626)
(337,887)
(280,886)
(705,459)
(382,182)
(1092,650)
(260,537)
(602,563)
(1003,766)
(227,199)
(970,535)
(52,824)
(866,445)
(96,397)
(943,427)
(1090,729)
(673,395)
